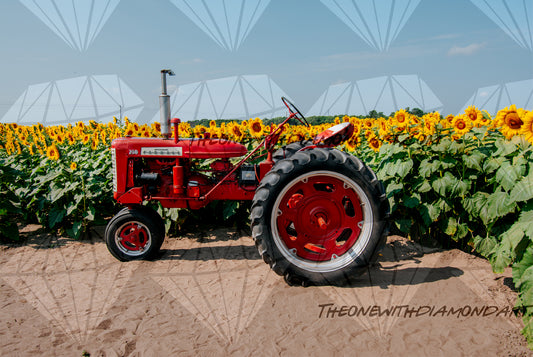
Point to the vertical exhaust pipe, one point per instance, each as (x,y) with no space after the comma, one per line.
(164,104)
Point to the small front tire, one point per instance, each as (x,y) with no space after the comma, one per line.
(134,234)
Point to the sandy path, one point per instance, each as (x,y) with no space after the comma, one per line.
(210,294)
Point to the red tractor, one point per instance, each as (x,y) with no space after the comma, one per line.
(318,214)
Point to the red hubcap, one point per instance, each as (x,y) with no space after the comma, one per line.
(319,219)
(133,237)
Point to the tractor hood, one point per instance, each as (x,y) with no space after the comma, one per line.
(184,148)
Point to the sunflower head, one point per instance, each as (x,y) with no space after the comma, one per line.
(352,143)
(374,143)
(401,117)
(73,166)
(52,152)
(527,127)
(461,124)
(255,127)
(510,121)
(475,115)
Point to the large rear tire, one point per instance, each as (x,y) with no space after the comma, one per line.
(319,217)
(289,150)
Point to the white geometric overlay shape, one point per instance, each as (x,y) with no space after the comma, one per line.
(77,22)
(238,97)
(75,99)
(382,94)
(72,287)
(227,22)
(225,296)
(496,97)
(391,286)
(514,17)
(377,22)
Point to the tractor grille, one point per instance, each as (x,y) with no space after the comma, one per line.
(114,168)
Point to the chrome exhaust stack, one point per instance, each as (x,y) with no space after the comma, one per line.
(164,104)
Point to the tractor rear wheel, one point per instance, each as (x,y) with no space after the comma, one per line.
(289,150)
(134,234)
(319,217)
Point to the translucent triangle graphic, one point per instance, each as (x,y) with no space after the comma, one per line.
(227,22)
(496,97)
(389,287)
(383,94)
(477,278)
(514,17)
(34,102)
(225,296)
(236,97)
(72,287)
(77,22)
(70,100)
(377,22)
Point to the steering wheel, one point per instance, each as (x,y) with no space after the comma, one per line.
(294,111)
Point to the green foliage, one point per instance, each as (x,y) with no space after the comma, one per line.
(9,203)
(468,193)
(50,192)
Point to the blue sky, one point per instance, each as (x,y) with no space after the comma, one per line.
(300,44)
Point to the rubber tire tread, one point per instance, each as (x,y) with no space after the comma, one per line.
(289,150)
(148,217)
(300,163)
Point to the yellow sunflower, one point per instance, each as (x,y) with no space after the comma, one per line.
(70,139)
(145,134)
(255,128)
(352,143)
(374,143)
(475,116)
(52,152)
(199,131)
(509,121)
(461,124)
(429,127)
(235,132)
(447,122)
(527,127)
(95,142)
(401,117)
(73,166)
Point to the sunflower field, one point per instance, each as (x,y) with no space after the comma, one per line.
(463,181)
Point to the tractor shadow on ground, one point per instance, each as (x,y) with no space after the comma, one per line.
(377,275)
(207,246)
(401,262)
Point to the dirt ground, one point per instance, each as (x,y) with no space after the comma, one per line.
(211,294)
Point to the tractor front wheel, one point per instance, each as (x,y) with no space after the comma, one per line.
(319,217)
(134,234)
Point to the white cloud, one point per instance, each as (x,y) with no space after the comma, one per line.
(467,50)
(192,61)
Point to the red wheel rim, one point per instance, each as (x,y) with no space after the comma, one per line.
(319,218)
(133,238)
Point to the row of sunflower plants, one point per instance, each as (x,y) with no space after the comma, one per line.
(463,181)
(57,176)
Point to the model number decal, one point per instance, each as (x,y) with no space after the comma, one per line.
(161,151)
